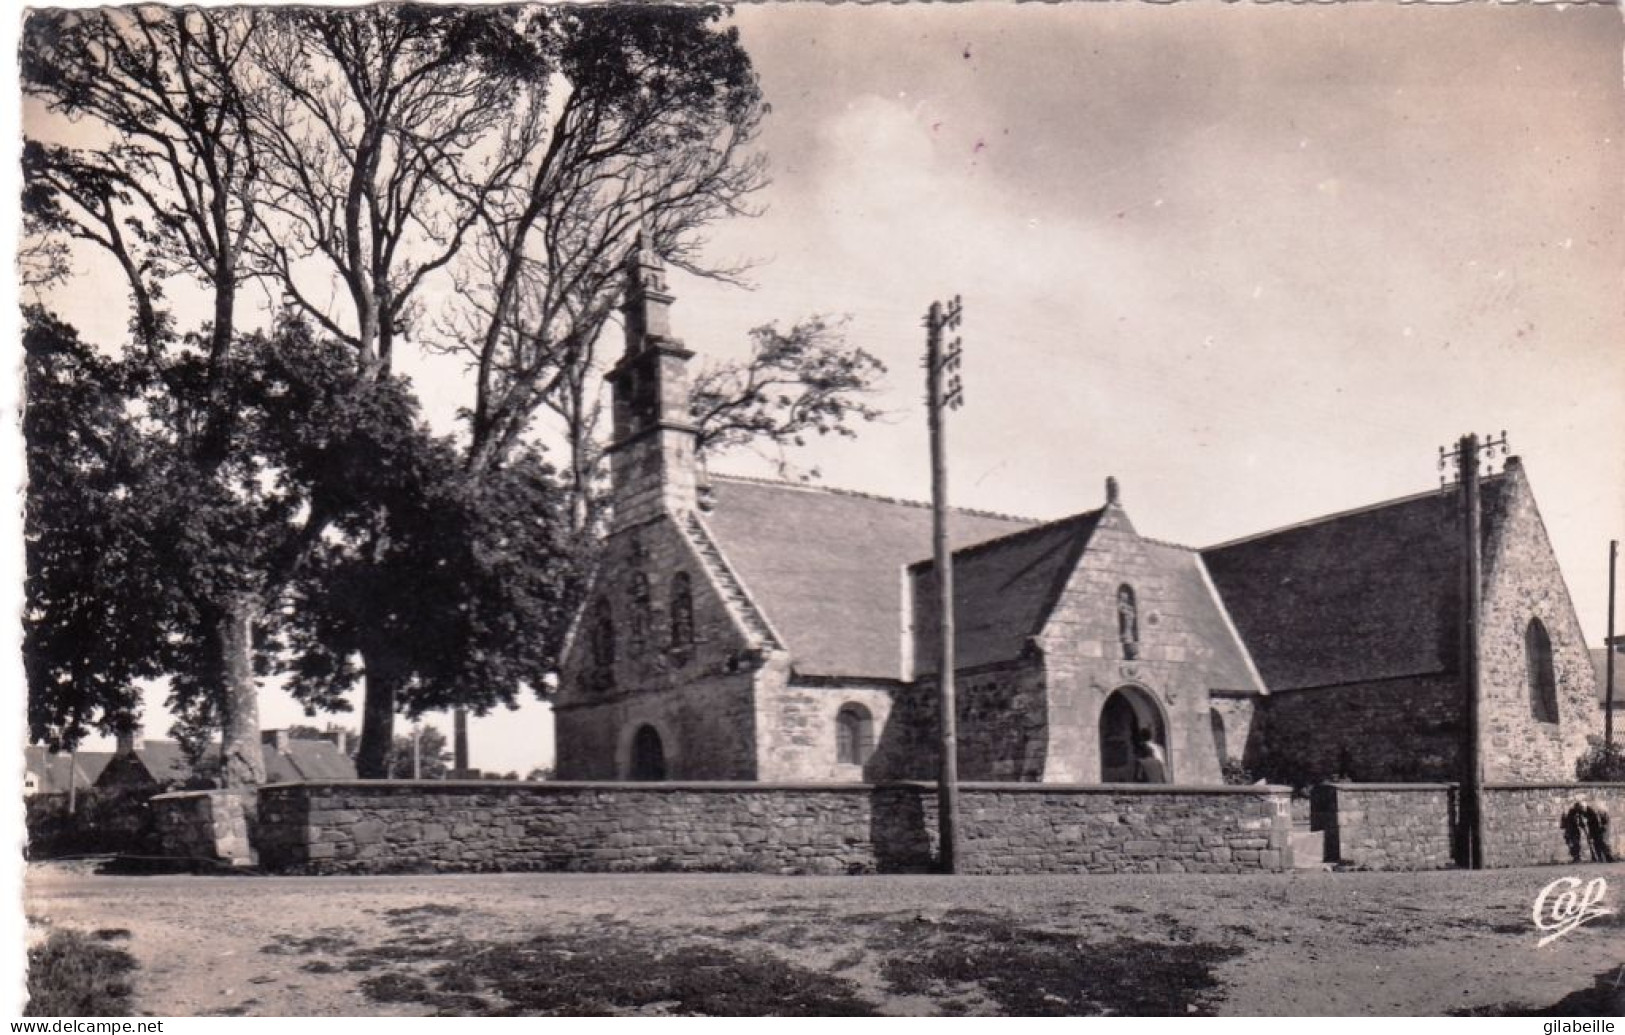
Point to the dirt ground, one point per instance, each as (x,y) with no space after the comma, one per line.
(1298,943)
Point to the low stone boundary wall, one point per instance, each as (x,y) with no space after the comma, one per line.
(208,826)
(1387,826)
(1417,827)
(444,826)
(1523,823)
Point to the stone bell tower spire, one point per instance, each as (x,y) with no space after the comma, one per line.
(652,456)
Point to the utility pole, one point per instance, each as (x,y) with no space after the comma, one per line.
(1610,648)
(944,392)
(417,761)
(1466,457)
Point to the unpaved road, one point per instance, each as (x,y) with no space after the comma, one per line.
(1298,943)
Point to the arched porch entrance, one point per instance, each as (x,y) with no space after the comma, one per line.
(648,755)
(1128,714)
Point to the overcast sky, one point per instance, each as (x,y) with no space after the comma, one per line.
(1258,262)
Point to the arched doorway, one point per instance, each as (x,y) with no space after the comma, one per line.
(1127,712)
(648,755)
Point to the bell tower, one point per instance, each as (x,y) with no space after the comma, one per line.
(652,455)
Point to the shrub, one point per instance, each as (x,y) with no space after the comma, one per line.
(1601,763)
(105,821)
(73,975)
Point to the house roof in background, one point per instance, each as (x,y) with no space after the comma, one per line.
(1361,595)
(53,772)
(309,760)
(304,760)
(826,566)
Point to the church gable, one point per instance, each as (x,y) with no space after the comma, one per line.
(656,617)
(1539,683)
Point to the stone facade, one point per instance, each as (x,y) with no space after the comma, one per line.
(380,827)
(1040,715)
(796,722)
(696,691)
(1330,650)
(1414,826)
(1388,826)
(207,826)
(1408,729)
(1522,583)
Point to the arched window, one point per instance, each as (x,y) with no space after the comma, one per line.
(603,644)
(854,734)
(1542,678)
(637,632)
(682,616)
(1128,622)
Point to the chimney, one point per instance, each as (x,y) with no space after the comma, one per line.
(1112,496)
(276,738)
(128,740)
(342,739)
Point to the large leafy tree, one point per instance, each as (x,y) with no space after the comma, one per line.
(641,128)
(796,383)
(168,194)
(90,616)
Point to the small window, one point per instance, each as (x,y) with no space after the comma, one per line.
(1128,622)
(637,632)
(682,616)
(854,734)
(603,645)
(1220,746)
(1542,678)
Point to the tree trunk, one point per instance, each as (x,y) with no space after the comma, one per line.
(383,682)
(242,764)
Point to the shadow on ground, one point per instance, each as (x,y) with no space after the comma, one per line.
(963,962)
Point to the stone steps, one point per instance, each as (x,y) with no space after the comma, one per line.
(725,579)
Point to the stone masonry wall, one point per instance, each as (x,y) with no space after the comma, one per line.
(1387,826)
(700,699)
(1002,722)
(1389,730)
(795,723)
(380,827)
(1414,826)
(1522,581)
(213,826)
(1523,824)
(1184,651)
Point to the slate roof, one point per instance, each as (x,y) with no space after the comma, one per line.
(307,760)
(54,772)
(1599,658)
(1357,596)
(1003,590)
(827,566)
(165,763)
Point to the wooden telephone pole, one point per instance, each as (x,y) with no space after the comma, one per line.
(944,392)
(1609,650)
(1466,458)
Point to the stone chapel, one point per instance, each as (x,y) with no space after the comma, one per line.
(749,630)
